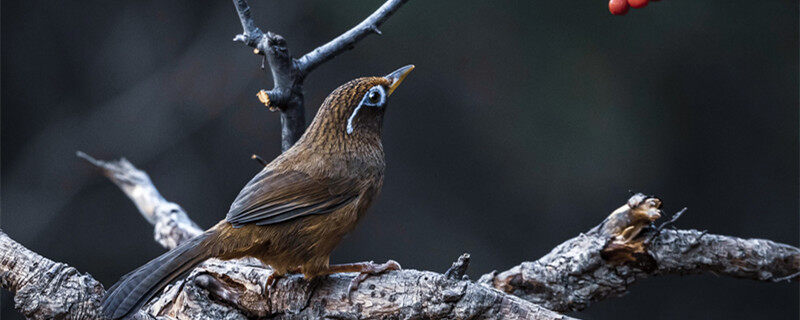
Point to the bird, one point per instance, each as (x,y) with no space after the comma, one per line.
(296,210)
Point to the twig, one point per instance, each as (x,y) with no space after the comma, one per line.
(260,160)
(657,230)
(288,73)
(672,220)
(787,278)
(347,40)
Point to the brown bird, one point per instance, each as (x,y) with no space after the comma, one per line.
(294,212)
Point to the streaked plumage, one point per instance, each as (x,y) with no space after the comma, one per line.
(294,212)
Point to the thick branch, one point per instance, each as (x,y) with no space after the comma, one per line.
(233,290)
(46,289)
(588,268)
(288,73)
(172,224)
(604,262)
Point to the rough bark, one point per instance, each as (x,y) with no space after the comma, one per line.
(591,267)
(605,261)
(233,290)
(45,289)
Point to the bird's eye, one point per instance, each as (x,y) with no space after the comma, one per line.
(374,96)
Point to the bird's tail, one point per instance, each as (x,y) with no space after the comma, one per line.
(137,287)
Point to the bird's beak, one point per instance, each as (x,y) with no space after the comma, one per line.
(397,77)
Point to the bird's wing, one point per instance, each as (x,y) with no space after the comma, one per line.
(273,197)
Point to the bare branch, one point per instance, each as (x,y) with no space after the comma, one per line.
(347,40)
(692,251)
(591,267)
(588,268)
(234,290)
(46,289)
(172,224)
(288,73)
(251,35)
(406,294)
(287,92)
(604,262)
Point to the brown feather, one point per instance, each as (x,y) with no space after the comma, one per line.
(296,210)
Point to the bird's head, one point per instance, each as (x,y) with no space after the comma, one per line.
(355,110)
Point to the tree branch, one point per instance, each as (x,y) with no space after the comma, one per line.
(591,267)
(288,73)
(46,289)
(347,40)
(221,289)
(172,224)
(604,262)
(599,264)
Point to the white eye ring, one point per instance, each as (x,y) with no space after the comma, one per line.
(375,97)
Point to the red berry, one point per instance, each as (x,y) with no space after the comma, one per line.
(637,3)
(618,7)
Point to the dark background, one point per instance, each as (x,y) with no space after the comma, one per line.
(524,124)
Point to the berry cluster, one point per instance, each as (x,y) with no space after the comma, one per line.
(620,7)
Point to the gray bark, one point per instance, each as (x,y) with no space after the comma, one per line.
(217,289)
(605,261)
(233,290)
(45,289)
(591,267)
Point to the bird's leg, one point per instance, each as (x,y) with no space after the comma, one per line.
(365,269)
(271,280)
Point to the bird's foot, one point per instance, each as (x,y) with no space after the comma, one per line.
(270,284)
(273,278)
(370,269)
(365,270)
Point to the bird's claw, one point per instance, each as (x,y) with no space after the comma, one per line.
(272,279)
(370,269)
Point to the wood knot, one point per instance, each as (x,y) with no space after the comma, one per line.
(628,220)
(263,96)
(624,225)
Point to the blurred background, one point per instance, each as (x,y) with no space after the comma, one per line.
(524,124)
